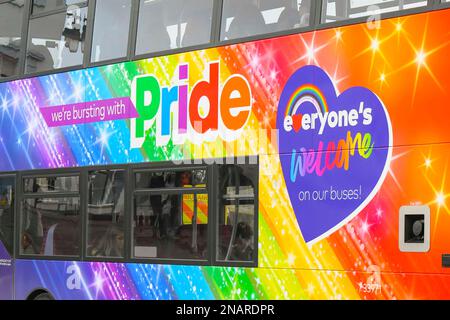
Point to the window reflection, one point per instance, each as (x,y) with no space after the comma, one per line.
(51,184)
(7,192)
(243,18)
(175,178)
(171,24)
(111,27)
(56,41)
(237,213)
(50,226)
(11,14)
(40,6)
(171,225)
(106,194)
(336,10)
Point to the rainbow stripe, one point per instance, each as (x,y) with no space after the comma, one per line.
(307,90)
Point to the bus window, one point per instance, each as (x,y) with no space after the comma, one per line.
(50,226)
(244,18)
(51,184)
(7,190)
(111,28)
(11,14)
(167,226)
(237,234)
(106,213)
(171,178)
(337,10)
(171,24)
(195,20)
(171,215)
(57,40)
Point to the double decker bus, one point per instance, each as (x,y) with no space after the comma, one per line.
(224,149)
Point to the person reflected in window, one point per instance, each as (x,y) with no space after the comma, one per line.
(72,27)
(111,244)
(294,16)
(27,244)
(167,203)
(156,182)
(305,12)
(248,20)
(34,226)
(242,249)
(289,17)
(185,179)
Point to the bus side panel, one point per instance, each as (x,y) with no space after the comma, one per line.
(115,281)
(416,176)
(6,274)
(58,278)
(68,280)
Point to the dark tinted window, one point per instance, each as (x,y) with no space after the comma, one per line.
(244,18)
(50,226)
(7,191)
(171,24)
(11,14)
(106,194)
(111,27)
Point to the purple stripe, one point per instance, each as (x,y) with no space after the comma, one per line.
(87,112)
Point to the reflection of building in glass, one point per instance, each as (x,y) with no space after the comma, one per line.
(336,10)
(10,37)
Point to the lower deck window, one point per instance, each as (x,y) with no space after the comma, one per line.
(50,226)
(171,215)
(106,211)
(171,226)
(7,192)
(237,213)
(194,214)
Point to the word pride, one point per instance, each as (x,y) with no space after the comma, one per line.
(201,114)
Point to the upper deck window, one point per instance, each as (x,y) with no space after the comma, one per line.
(244,18)
(337,10)
(111,29)
(171,24)
(57,40)
(11,14)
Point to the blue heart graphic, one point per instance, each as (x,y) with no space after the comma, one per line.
(334,150)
